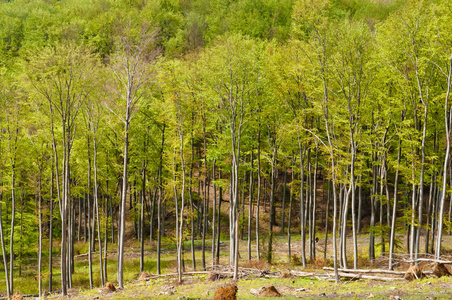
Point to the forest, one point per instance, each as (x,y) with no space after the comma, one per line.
(196,122)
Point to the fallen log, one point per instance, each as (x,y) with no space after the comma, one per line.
(308,274)
(361,276)
(367,271)
(154,276)
(372,271)
(428,260)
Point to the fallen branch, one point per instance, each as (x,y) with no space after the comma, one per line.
(428,260)
(155,276)
(367,271)
(308,274)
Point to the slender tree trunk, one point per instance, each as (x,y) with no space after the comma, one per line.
(205,196)
(353,196)
(272,201)
(22,205)
(220,198)
(382,183)
(258,191)
(372,212)
(40,234)
(326,218)
(429,212)
(181,222)
(214,208)
(5,263)
(314,206)
(106,238)
(143,201)
(123,202)
(283,209)
(96,206)
(90,235)
(250,207)
(289,237)
(394,206)
(11,239)
(190,194)
(302,153)
(50,230)
(360,201)
(448,125)
(79,225)
(159,204)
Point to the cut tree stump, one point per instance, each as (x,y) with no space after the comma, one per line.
(414,272)
(269,291)
(226,293)
(109,287)
(440,270)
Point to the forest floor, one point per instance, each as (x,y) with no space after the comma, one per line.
(198,286)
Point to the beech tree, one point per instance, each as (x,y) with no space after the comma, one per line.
(232,90)
(131,65)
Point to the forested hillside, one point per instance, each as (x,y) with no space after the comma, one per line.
(161,121)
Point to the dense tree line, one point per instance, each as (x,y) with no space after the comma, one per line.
(130,113)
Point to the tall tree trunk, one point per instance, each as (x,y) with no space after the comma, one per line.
(159,204)
(272,201)
(90,235)
(79,225)
(302,153)
(214,208)
(40,234)
(394,206)
(326,218)
(5,263)
(96,206)
(250,206)
(258,190)
(314,206)
(106,237)
(372,211)
(448,125)
(220,199)
(143,201)
(205,196)
(190,194)
(283,208)
(11,238)
(181,222)
(50,230)
(289,221)
(429,211)
(123,202)
(360,201)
